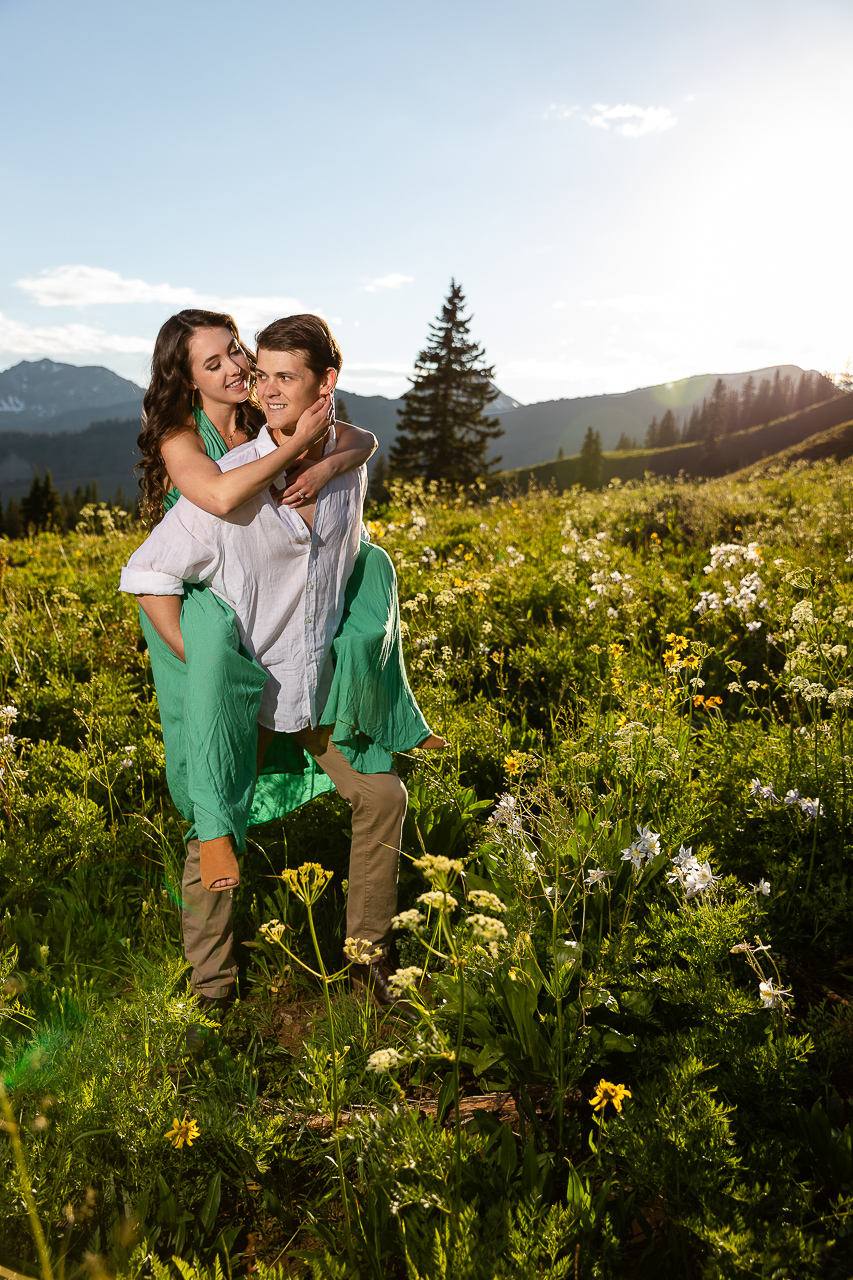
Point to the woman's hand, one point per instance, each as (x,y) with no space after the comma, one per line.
(313,425)
(304,487)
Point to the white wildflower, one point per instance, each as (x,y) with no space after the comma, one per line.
(439,899)
(770,994)
(792,797)
(384,1059)
(9,713)
(645,847)
(487,930)
(763,887)
(412,919)
(506,814)
(595,877)
(486,901)
(684,856)
(802,614)
(433,865)
(404,979)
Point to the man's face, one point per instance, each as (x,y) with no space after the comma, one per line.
(286,387)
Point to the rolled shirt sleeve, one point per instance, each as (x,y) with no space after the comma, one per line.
(182,548)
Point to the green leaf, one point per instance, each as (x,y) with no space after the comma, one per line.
(210,1208)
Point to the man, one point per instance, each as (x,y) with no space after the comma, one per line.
(283,571)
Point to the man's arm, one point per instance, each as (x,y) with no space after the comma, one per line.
(182,548)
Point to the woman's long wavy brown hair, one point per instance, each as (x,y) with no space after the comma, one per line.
(168,403)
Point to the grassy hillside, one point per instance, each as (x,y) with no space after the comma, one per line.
(741,449)
(633,1038)
(537,431)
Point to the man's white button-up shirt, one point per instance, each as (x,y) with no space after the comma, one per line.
(284,581)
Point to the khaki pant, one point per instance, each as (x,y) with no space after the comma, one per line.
(378,808)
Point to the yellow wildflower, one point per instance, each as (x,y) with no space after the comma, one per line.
(713,702)
(182,1131)
(606,1092)
(514,762)
(698,699)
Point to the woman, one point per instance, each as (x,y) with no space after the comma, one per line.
(198,406)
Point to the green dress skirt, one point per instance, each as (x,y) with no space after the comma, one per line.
(209,704)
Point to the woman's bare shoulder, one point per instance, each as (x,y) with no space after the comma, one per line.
(185,442)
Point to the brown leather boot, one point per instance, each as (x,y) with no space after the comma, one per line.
(373,979)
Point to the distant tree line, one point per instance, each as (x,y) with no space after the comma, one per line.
(44,510)
(727,410)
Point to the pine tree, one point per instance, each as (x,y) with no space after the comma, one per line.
(560,454)
(667,431)
(12,523)
(591,469)
(31,507)
(626,444)
(377,489)
(763,403)
(716,418)
(747,403)
(442,432)
(51,504)
(652,432)
(693,428)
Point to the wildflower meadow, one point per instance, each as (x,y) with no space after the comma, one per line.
(624,922)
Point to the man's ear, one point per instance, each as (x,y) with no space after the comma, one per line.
(329,381)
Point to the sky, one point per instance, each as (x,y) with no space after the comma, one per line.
(629,192)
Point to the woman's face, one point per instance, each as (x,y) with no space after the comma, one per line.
(218,366)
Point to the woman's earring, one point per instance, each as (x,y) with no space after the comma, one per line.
(192,402)
(330,416)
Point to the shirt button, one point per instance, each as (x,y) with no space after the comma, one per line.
(307,619)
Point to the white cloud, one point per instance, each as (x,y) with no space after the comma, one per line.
(81,286)
(66,340)
(630,120)
(392,281)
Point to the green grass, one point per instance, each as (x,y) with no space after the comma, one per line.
(555,641)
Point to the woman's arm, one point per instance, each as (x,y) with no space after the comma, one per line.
(355,446)
(164,614)
(220,492)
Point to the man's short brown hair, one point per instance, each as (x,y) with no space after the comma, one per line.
(309,335)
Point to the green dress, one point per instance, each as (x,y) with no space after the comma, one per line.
(209,704)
